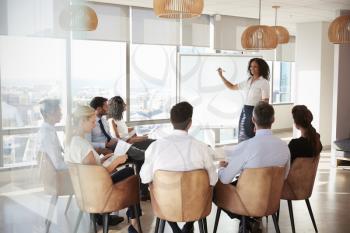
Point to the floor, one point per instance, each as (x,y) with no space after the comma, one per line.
(23,206)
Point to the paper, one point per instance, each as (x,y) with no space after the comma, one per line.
(121,149)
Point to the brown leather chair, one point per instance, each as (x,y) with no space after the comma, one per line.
(181,197)
(96,194)
(56,183)
(299,185)
(256,194)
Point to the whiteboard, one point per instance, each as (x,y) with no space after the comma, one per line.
(199,84)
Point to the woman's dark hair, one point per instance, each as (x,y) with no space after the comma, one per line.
(116,107)
(264,69)
(303,117)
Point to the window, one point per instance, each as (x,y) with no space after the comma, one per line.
(282,76)
(98,69)
(152,81)
(31,69)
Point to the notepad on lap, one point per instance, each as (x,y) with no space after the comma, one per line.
(121,149)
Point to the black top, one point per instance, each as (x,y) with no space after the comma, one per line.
(301,147)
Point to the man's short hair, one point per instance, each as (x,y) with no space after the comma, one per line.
(97,101)
(48,106)
(181,115)
(264,114)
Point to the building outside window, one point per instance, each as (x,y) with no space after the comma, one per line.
(152,81)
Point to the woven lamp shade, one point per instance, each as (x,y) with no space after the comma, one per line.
(282,34)
(339,30)
(78,18)
(259,37)
(178,9)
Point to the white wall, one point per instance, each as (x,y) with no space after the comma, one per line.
(341,96)
(314,66)
(326,96)
(283,117)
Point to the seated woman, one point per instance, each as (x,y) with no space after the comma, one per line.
(79,150)
(118,127)
(309,144)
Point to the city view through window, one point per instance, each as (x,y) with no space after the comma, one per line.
(36,68)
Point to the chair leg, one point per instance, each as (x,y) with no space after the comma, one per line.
(278,215)
(244,225)
(105,222)
(205,225)
(311,214)
(275,222)
(157,226)
(218,212)
(68,203)
(161,226)
(50,212)
(78,221)
(201,225)
(93,221)
(290,207)
(137,214)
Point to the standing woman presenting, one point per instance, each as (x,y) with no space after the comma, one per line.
(256,88)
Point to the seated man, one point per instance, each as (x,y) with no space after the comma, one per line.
(179,152)
(48,141)
(263,150)
(104,143)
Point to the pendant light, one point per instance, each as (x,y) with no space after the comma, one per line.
(339,30)
(78,18)
(281,32)
(178,9)
(259,37)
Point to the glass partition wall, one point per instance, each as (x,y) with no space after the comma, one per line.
(127,57)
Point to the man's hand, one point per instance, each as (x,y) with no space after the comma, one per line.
(111,143)
(223,164)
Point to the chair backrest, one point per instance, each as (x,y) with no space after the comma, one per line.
(181,196)
(55,182)
(301,178)
(256,194)
(96,193)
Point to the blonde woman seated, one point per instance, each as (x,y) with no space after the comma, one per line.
(79,150)
(118,127)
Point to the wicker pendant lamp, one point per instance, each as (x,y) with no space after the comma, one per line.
(281,32)
(339,30)
(78,18)
(178,9)
(259,37)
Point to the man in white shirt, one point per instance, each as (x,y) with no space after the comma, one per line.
(179,152)
(48,141)
(263,150)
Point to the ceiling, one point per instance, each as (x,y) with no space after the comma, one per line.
(290,13)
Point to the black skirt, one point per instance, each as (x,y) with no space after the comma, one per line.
(246,126)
